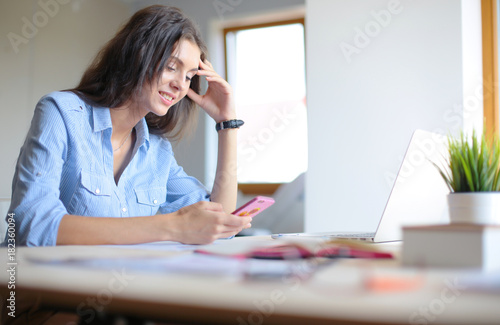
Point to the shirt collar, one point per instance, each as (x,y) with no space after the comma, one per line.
(102,121)
(142,132)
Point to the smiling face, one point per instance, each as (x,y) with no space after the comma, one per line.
(174,81)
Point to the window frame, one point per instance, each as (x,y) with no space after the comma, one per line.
(489,21)
(259,188)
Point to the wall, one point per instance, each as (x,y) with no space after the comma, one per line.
(54,43)
(377,70)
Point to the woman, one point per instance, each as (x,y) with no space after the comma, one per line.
(96,166)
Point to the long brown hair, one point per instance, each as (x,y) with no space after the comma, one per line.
(137,56)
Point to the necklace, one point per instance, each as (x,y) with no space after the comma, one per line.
(128,136)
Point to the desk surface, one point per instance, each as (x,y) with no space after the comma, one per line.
(134,281)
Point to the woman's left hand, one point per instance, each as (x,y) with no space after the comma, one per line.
(218,100)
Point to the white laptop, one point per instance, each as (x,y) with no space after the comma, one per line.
(418,195)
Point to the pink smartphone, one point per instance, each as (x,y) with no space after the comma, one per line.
(254,206)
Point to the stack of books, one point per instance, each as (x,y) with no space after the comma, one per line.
(453,245)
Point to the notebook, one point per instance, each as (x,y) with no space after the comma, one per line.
(418,195)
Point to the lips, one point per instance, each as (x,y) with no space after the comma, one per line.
(166,97)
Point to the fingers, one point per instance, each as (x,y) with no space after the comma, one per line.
(231,231)
(237,221)
(210,75)
(230,224)
(222,218)
(203,222)
(206,64)
(207,70)
(237,224)
(219,85)
(194,96)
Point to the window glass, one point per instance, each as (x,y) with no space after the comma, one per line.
(266,67)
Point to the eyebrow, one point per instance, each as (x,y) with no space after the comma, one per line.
(182,63)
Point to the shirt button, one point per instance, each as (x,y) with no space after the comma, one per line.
(124,209)
(155,201)
(97,191)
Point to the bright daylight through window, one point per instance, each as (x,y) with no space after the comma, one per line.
(266,67)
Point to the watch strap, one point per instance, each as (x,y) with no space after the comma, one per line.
(230,124)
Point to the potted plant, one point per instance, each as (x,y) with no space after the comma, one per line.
(473,175)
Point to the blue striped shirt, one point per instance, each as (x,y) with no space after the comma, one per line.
(66,167)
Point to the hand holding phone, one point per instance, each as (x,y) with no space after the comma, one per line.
(253,208)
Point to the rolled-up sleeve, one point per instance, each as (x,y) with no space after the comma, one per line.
(36,203)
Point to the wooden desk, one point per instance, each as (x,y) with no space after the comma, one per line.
(346,292)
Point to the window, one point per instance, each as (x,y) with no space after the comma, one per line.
(265,64)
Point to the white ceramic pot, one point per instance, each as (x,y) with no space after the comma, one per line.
(474,207)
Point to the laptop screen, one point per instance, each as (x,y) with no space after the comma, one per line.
(419,193)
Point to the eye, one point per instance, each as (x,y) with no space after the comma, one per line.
(170,68)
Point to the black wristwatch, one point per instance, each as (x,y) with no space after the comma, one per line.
(231,124)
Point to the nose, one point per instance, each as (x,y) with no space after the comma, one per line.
(178,82)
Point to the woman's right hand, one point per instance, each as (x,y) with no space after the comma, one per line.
(202,223)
